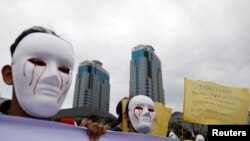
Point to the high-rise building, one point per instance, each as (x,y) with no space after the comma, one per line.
(146,73)
(92,86)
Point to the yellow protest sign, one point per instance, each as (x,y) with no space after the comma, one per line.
(210,103)
(163,115)
(249,100)
(124,116)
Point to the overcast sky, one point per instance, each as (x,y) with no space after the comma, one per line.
(200,40)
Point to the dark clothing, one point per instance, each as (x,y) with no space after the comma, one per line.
(5,106)
(116,129)
(115,125)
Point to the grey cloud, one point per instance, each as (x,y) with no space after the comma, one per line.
(206,40)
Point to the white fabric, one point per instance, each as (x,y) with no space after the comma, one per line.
(26,129)
(199,138)
(41,89)
(173,135)
(141,113)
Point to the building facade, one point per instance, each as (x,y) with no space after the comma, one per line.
(92,86)
(146,74)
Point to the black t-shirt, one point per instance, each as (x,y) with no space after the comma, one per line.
(5,106)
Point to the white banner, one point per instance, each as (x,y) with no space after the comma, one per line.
(25,129)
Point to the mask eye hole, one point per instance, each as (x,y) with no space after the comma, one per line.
(64,69)
(138,108)
(151,110)
(37,61)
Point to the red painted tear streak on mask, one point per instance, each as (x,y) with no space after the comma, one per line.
(34,90)
(140,111)
(32,76)
(64,93)
(69,76)
(150,115)
(24,68)
(67,82)
(61,80)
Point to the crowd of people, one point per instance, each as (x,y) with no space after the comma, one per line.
(40,73)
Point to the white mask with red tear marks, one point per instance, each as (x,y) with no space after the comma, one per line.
(42,67)
(141,112)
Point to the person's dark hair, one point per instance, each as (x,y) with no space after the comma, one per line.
(34,29)
(187,134)
(126,112)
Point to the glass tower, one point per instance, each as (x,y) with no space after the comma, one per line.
(92,86)
(146,74)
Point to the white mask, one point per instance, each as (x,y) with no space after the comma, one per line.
(42,67)
(173,135)
(141,111)
(199,138)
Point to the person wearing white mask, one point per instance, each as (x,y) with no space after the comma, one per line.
(173,135)
(199,137)
(41,74)
(140,114)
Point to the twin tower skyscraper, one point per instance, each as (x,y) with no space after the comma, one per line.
(92,86)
